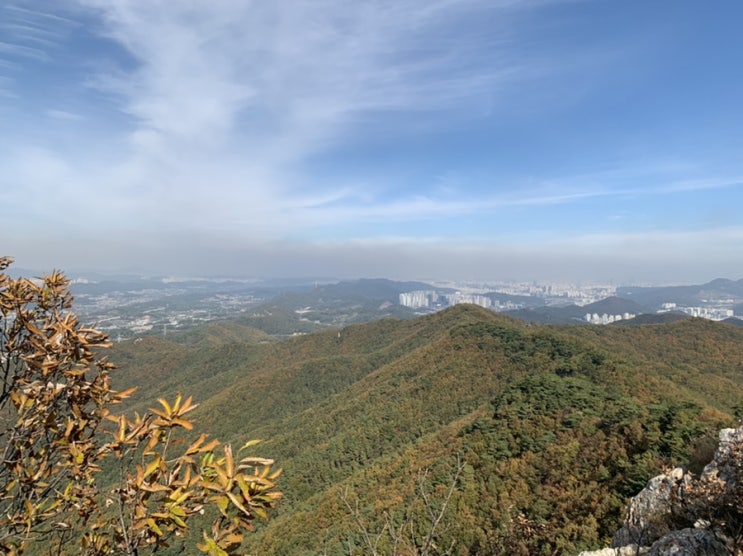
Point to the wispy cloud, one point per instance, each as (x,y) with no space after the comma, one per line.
(63,115)
(32,16)
(347,207)
(29,37)
(295,72)
(23,51)
(225,98)
(237,95)
(32,33)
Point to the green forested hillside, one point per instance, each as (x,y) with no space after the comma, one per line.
(554,427)
(221,333)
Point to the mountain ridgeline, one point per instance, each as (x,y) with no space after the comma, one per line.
(543,431)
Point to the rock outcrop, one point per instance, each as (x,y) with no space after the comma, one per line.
(689,542)
(633,550)
(678,514)
(650,512)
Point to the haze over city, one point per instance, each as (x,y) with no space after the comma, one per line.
(472,139)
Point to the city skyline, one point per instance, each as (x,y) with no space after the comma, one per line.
(474,139)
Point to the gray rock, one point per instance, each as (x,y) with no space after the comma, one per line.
(650,515)
(632,550)
(647,515)
(602,552)
(719,467)
(689,542)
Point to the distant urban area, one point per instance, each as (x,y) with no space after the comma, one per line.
(130,307)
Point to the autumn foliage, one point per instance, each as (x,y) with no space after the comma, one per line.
(79,478)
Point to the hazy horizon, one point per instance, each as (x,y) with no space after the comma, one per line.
(550,140)
(477,275)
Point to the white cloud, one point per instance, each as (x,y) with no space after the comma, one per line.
(224,99)
(307,67)
(63,115)
(23,51)
(31,35)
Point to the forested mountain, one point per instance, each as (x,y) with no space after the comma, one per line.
(654,318)
(544,431)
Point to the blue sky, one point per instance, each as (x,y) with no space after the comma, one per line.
(441,139)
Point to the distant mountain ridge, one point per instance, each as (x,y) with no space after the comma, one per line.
(574,314)
(356,301)
(654,297)
(340,304)
(654,318)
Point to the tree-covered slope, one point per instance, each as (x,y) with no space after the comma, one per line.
(221,333)
(555,426)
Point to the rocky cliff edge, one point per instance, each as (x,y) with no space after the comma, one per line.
(680,514)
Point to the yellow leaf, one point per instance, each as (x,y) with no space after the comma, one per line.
(232,538)
(154,528)
(183,423)
(124,394)
(188,406)
(177,510)
(237,503)
(165,416)
(151,443)
(178,521)
(186,480)
(252,461)
(182,497)
(223,503)
(154,488)
(244,488)
(210,547)
(223,478)
(152,467)
(249,443)
(230,462)
(210,446)
(166,406)
(194,447)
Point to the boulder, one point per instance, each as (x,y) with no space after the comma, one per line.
(649,512)
(689,542)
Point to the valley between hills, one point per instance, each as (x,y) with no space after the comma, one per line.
(542,432)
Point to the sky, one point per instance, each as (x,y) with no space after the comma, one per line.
(549,140)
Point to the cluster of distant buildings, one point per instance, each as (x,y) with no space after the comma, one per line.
(578,294)
(433,300)
(426,299)
(595,318)
(711,313)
